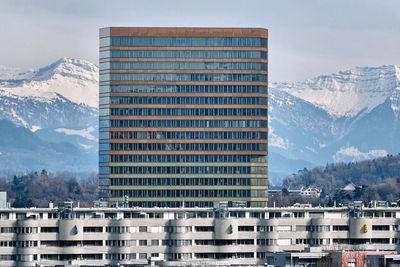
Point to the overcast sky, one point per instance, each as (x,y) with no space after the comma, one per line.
(306,38)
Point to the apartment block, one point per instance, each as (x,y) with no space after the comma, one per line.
(69,236)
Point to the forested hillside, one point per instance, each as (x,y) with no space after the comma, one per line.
(38,189)
(377,179)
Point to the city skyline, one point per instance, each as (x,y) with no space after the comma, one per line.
(307,38)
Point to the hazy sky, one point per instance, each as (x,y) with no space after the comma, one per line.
(306,38)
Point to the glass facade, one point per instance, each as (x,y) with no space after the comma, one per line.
(183,116)
(184,65)
(184,41)
(203,54)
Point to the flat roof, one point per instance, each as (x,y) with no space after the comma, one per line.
(186,209)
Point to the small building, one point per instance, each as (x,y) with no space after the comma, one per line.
(350,187)
(311,192)
(363,258)
(312,256)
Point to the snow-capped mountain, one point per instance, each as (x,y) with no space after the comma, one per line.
(59,103)
(74,79)
(351,92)
(351,115)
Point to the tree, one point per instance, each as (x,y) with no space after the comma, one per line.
(22,202)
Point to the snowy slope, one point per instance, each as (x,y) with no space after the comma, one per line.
(351,115)
(63,94)
(59,105)
(348,93)
(74,79)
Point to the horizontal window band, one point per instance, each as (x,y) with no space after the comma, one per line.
(186,152)
(189,129)
(207,60)
(192,94)
(192,187)
(191,59)
(160,38)
(184,112)
(162,76)
(262,118)
(188,199)
(177,141)
(178,164)
(112,82)
(180,71)
(186,160)
(187,106)
(196,90)
(210,175)
(202,48)
(222,67)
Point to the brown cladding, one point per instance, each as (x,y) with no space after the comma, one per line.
(188,32)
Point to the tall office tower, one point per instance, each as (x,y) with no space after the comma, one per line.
(183,116)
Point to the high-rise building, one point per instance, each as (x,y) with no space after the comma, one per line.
(183,116)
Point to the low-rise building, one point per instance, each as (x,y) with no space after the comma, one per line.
(68,236)
(311,192)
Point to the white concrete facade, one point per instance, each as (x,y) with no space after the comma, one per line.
(129,236)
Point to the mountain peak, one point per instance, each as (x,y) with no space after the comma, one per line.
(68,67)
(74,79)
(349,92)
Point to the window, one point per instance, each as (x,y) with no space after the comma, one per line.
(265,228)
(117,229)
(204,228)
(351,263)
(284,242)
(48,229)
(93,229)
(142,256)
(340,228)
(283,228)
(316,215)
(143,229)
(245,228)
(380,227)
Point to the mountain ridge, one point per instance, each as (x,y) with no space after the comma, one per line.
(350,115)
(58,104)
(74,79)
(348,93)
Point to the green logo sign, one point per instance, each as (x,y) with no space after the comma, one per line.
(230,229)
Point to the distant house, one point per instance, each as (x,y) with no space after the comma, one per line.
(349,187)
(311,192)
